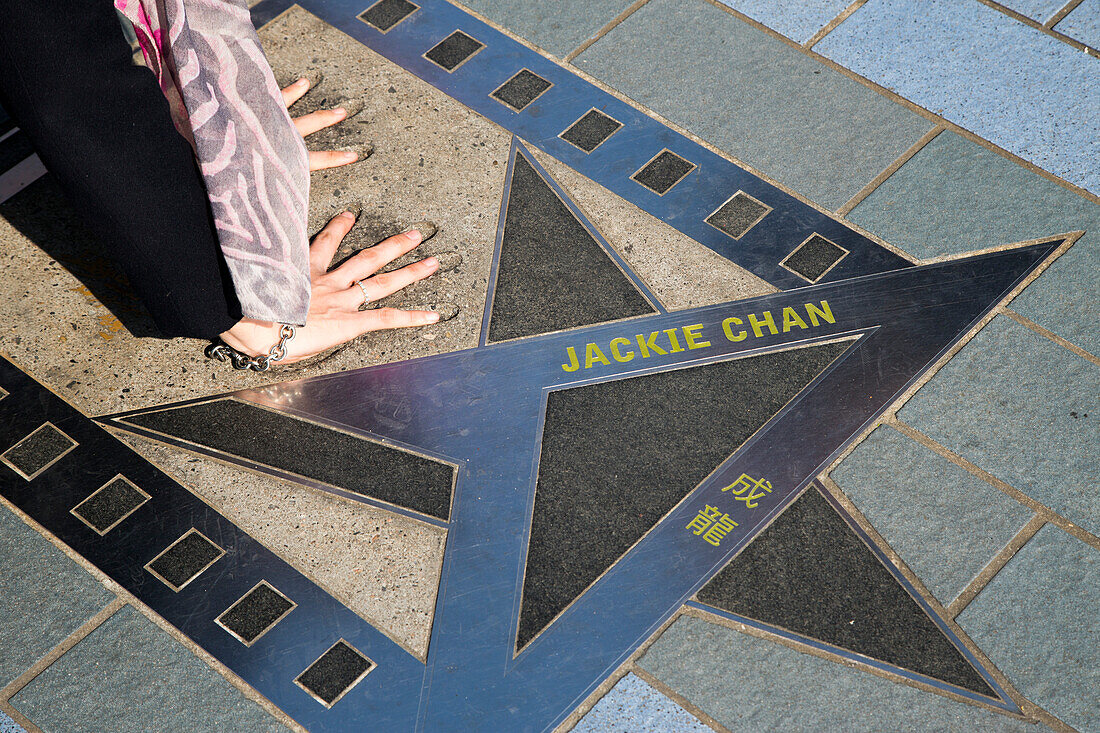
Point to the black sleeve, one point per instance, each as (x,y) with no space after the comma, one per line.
(102,127)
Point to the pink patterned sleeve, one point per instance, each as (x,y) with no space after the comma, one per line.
(225,101)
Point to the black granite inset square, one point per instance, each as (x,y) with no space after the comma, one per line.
(738,215)
(522,89)
(663,172)
(110,504)
(337,671)
(314,451)
(38,451)
(814,257)
(185,559)
(255,613)
(590,130)
(454,50)
(385,14)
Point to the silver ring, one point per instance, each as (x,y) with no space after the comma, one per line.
(366,296)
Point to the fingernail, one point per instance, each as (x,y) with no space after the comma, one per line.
(353,108)
(301,81)
(431,262)
(340,112)
(351,156)
(433,317)
(349,215)
(355,209)
(448,260)
(427,229)
(445,311)
(361,152)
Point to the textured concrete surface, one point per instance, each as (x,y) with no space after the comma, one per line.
(381,565)
(1013,85)
(754,97)
(1026,410)
(945,523)
(633,706)
(1083,23)
(557,27)
(1038,10)
(1038,621)
(797,19)
(955,196)
(7,725)
(746,683)
(44,596)
(129,672)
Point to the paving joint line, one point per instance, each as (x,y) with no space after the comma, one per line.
(630,10)
(1043,27)
(680,700)
(890,170)
(912,106)
(828,27)
(994,566)
(1028,323)
(1061,14)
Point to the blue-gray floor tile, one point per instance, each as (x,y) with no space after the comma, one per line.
(809,127)
(1037,10)
(7,725)
(746,683)
(955,196)
(558,27)
(1083,23)
(1025,409)
(44,596)
(1038,620)
(797,19)
(632,706)
(946,523)
(127,674)
(1013,85)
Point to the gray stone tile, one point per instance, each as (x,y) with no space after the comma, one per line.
(559,27)
(633,706)
(1025,409)
(127,674)
(956,196)
(44,596)
(987,72)
(946,523)
(809,127)
(746,683)
(1083,23)
(1039,621)
(797,19)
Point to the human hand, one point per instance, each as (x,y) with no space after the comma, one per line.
(319,120)
(334,315)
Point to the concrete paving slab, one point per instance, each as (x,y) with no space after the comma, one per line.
(634,706)
(794,19)
(1015,86)
(1037,620)
(1083,23)
(129,672)
(809,127)
(44,596)
(955,196)
(557,27)
(747,683)
(945,523)
(1023,408)
(1037,10)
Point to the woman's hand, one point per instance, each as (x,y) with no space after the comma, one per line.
(334,315)
(319,120)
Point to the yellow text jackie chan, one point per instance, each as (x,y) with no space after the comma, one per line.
(691,338)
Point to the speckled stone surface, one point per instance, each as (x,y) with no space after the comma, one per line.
(955,196)
(796,19)
(129,672)
(44,596)
(7,725)
(1017,87)
(747,683)
(1083,23)
(1025,409)
(1038,10)
(1038,621)
(945,523)
(754,97)
(558,27)
(633,706)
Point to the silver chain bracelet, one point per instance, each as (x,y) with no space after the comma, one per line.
(225,352)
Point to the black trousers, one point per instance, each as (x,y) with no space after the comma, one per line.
(102,127)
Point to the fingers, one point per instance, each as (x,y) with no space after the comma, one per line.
(319,120)
(384,318)
(325,244)
(293,92)
(369,261)
(331,159)
(388,283)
